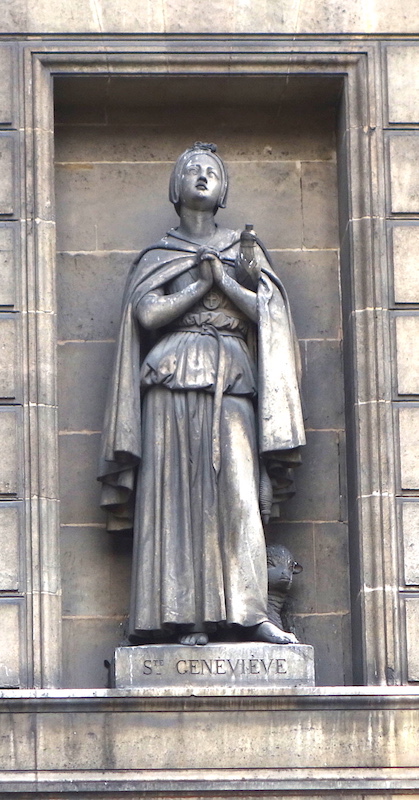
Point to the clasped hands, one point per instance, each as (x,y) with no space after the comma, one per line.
(210,266)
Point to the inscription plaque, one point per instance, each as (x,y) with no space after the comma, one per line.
(225,665)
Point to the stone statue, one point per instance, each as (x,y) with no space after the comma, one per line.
(281,568)
(203,416)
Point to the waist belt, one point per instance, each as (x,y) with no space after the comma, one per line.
(210,330)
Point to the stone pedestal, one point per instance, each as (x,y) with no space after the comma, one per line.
(248,665)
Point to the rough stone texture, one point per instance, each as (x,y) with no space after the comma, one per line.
(412,611)
(9,467)
(407,337)
(312,282)
(83,372)
(409,446)
(96,572)
(213,744)
(6,88)
(404,154)
(317,499)
(83,313)
(8,348)
(403,83)
(87,644)
(10,534)
(405,240)
(323,396)
(171,668)
(319,207)
(410,527)
(166,16)
(8,176)
(80,492)
(324,632)
(10,623)
(8,252)
(115,139)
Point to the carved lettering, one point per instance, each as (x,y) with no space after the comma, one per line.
(147,667)
(225,666)
(266,668)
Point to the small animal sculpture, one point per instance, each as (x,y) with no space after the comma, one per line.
(281,568)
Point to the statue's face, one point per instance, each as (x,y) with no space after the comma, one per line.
(200,183)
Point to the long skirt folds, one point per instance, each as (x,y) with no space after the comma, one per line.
(199,552)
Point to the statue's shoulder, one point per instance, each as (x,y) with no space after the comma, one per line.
(227,237)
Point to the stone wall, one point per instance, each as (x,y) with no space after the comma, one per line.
(290,17)
(342,742)
(293,156)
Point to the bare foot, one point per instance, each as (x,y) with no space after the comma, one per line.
(197,637)
(268,632)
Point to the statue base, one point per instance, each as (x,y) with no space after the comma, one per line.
(180,669)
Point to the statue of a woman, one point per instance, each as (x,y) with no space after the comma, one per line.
(204,402)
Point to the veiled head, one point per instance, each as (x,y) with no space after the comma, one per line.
(199,152)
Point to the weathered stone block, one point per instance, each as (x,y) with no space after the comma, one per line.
(7,173)
(79,489)
(83,373)
(403,83)
(331,567)
(6,86)
(409,446)
(320,204)
(278,222)
(406,274)
(224,746)
(322,384)
(94,640)
(410,529)
(8,347)
(89,293)
(407,338)
(8,249)
(331,16)
(179,669)
(95,568)
(140,217)
(404,179)
(9,444)
(330,635)
(17,744)
(304,132)
(312,283)
(317,480)
(9,547)
(10,643)
(412,612)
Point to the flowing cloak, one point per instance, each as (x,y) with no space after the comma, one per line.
(280,426)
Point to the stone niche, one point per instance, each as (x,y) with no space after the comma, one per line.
(115,141)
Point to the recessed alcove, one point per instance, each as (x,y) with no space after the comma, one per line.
(115,141)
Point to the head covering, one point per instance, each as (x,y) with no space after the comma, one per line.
(199,147)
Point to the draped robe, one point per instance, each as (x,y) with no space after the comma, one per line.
(193,410)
